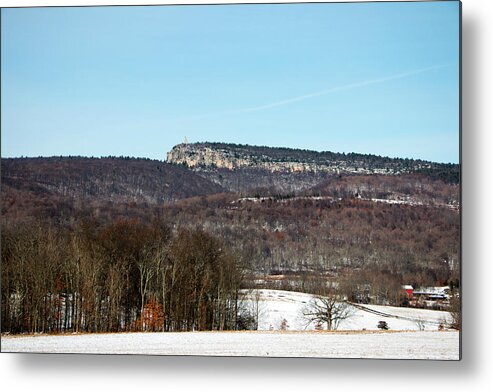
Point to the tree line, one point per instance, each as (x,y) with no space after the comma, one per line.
(121,276)
(417,245)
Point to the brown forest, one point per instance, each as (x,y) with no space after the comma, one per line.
(133,254)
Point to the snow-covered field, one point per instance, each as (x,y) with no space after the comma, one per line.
(276,305)
(357,337)
(402,345)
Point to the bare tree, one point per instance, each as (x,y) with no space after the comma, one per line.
(455,312)
(420,323)
(147,269)
(331,310)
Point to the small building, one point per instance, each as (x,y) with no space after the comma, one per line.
(409,290)
(432,297)
(433,293)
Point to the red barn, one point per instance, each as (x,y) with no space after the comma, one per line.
(409,290)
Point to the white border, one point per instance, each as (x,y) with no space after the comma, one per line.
(473,373)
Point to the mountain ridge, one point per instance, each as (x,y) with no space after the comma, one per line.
(210,155)
(113,178)
(253,169)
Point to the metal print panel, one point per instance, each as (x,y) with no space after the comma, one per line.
(272,180)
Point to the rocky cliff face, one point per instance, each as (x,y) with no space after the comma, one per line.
(242,168)
(233,157)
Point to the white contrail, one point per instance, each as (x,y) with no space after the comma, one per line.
(319,93)
(341,88)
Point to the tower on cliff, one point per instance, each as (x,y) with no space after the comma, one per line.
(185,141)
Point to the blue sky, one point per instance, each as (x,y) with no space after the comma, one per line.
(380,78)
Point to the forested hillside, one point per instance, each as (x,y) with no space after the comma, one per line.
(61,185)
(100,244)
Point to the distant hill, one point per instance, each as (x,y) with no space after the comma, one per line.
(114,180)
(397,227)
(414,189)
(244,168)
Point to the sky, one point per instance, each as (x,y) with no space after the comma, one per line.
(378,78)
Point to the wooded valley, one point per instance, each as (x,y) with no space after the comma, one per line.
(120,244)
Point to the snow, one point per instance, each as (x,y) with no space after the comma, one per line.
(276,305)
(384,345)
(357,337)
